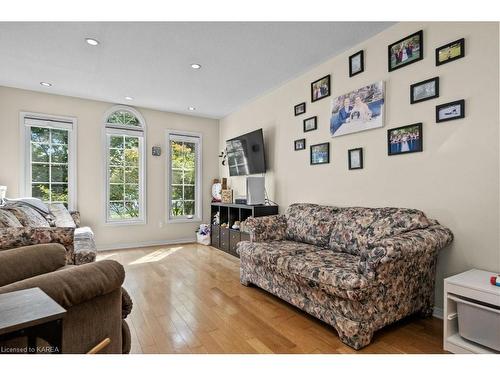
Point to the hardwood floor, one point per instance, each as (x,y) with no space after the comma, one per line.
(188,299)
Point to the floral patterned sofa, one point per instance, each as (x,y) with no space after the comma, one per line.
(24,225)
(357,269)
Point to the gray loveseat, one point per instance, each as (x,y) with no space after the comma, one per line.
(357,269)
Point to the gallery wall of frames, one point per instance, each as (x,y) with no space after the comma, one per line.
(363,109)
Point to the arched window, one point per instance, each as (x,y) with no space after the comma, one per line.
(125,164)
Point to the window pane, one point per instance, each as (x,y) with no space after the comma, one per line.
(131,142)
(131,192)
(115,156)
(189,177)
(116,192)
(59,136)
(40,152)
(132,175)
(116,141)
(59,192)
(123,118)
(116,174)
(40,172)
(177,154)
(176,192)
(132,156)
(189,208)
(116,210)
(41,191)
(177,177)
(40,135)
(59,173)
(59,153)
(177,208)
(132,209)
(189,192)
(189,155)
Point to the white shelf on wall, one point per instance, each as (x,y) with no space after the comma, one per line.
(473,285)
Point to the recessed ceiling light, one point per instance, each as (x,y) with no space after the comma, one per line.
(129,98)
(196,66)
(91,41)
(192,108)
(46,84)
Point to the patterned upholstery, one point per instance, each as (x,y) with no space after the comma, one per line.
(367,280)
(62,217)
(9,220)
(356,227)
(310,223)
(22,225)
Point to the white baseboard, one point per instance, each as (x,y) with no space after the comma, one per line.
(131,245)
(438,313)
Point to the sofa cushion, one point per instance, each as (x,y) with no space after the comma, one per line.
(62,217)
(9,220)
(355,228)
(310,223)
(268,252)
(28,216)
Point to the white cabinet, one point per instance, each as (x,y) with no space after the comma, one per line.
(470,287)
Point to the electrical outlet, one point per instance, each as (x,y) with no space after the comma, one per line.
(160,224)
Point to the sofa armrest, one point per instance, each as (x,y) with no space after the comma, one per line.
(76,218)
(266,228)
(414,245)
(29,261)
(74,285)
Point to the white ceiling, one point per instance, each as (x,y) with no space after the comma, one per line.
(151,61)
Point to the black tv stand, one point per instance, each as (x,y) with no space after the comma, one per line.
(226,238)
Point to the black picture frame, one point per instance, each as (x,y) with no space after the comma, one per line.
(311,151)
(315,118)
(303,140)
(420,34)
(349,152)
(324,96)
(460,42)
(460,102)
(296,113)
(419,147)
(413,86)
(362,63)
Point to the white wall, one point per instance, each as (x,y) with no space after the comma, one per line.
(90,162)
(455,179)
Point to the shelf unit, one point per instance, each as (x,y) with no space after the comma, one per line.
(472,285)
(226,239)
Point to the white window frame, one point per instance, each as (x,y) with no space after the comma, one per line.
(54,122)
(181,135)
(138,131)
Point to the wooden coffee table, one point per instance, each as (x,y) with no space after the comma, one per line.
(33,314)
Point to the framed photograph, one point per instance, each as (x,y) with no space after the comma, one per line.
(299,109)
(310,123)
(320,89)
(450,111)
(356,63)
(300,144)
(406,51)
(450,52)
(358,110)
(355,158)
(320,153)
(405,139)
(425,90)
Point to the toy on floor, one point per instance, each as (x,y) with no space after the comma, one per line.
(495,280)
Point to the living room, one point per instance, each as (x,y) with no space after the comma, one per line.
(245,187)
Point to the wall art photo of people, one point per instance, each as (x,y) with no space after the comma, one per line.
(359,110)
(320,89)
(451,51)
(405,139)
(320,153)
(450,111)
(406,51)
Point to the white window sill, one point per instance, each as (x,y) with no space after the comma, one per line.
(124,222)
(183,220)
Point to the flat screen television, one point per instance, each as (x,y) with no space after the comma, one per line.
(245,154)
